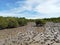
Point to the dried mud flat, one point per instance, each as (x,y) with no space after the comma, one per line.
(31,35)
(7,34)
(12,32)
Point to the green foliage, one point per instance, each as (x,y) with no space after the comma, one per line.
(55,20)
(3,23)
(22,21)
(31,20)
(39,22)
(12,22)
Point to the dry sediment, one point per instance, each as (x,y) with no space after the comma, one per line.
(51,36)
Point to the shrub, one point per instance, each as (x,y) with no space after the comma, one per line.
(39,22)
(3,23)
(22,21)
(12,22)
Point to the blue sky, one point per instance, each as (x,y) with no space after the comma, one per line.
(30,8)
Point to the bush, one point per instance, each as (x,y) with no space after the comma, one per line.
(12,22)
(39,22)
(3,23)
(22,21)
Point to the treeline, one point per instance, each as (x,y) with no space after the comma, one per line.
(12,22)
(41,22)
(52,19)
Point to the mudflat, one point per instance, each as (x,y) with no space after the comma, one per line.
(5,33)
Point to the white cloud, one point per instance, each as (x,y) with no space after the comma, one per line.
(45,8)
(48,7)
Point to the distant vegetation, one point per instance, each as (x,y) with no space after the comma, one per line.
(52,20)
(41,22)
(13,22)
